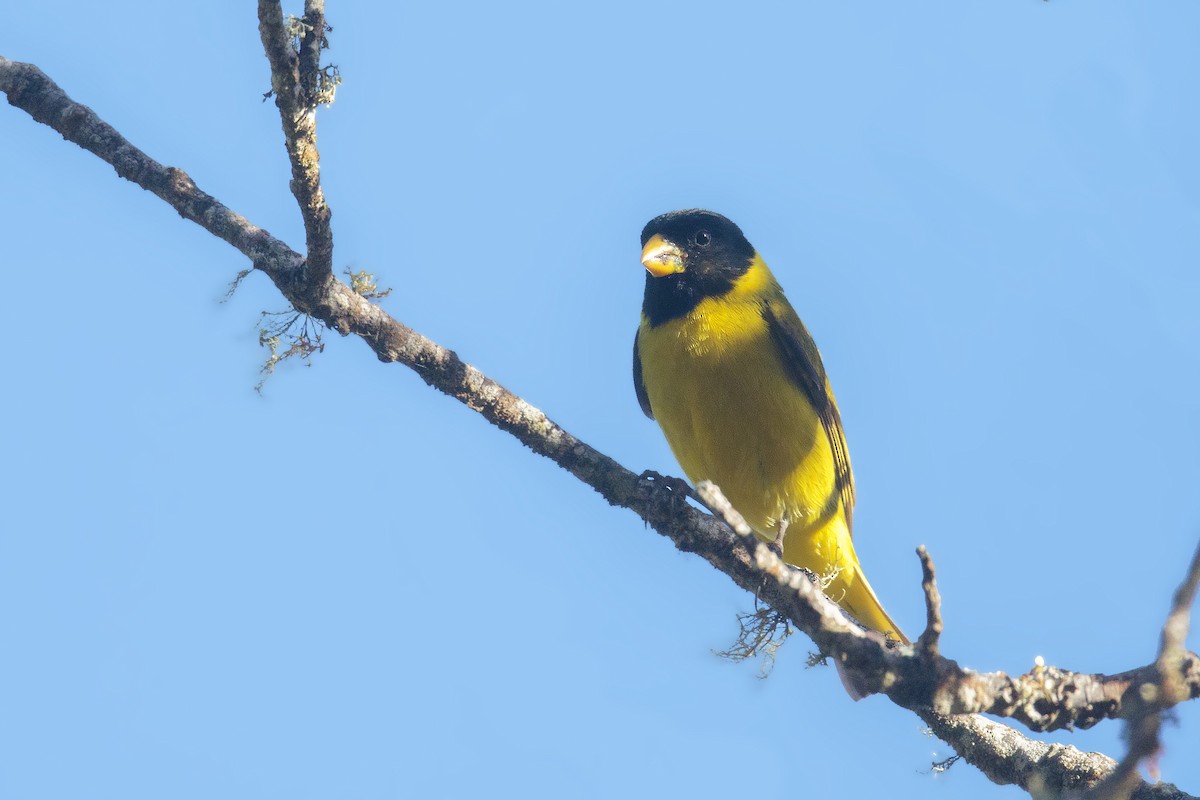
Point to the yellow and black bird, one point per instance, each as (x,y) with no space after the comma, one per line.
(726,367)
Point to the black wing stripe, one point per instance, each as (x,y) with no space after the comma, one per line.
(804,367)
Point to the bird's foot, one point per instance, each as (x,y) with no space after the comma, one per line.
(675,486)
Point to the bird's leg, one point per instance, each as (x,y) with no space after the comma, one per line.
(776,544)
(776,547)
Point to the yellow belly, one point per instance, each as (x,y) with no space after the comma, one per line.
(731,414)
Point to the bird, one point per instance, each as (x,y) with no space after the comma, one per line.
(723,363)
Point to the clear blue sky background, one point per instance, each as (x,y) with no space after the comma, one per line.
(352,587)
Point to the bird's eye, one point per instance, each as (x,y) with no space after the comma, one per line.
(702,238)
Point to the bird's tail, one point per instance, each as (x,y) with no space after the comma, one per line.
(852,592)
(830,554)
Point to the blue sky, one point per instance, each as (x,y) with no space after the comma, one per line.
(353,587)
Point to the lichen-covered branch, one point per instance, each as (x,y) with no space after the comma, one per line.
(311,44)
(294,75)
(915,678)
(1044,770)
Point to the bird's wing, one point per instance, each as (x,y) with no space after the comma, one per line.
(638,385)
(803,363)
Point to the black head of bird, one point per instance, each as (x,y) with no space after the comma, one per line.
(690,255)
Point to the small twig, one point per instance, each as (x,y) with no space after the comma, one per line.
(1175,630)
(288,335)
(1166,686)
(712,496)
(928,642)
(766,557)
(938,767)
(760,633)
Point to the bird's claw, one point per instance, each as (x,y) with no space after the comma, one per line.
(675,486)
(678,488)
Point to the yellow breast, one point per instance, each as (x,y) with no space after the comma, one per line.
(719,388)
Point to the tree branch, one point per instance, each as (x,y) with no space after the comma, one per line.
(311,45)
(918,679)
(294,79)
(29,89)
(1044,770)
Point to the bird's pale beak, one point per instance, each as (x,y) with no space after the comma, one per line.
(661,258)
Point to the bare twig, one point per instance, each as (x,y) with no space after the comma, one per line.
(1044,700)
(288,335)
(719,504)
(1171,652)
(290,70)
(1166,686)
(928,642)
(760,633)
(768,561)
